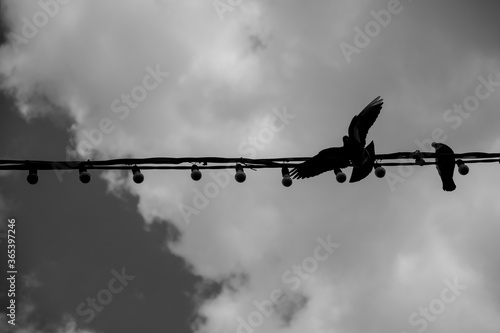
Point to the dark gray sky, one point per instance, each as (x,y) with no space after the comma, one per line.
(70,238)
(261,79)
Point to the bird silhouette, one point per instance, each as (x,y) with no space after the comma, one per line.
(445,165)
(353,149)
(328,159)
(362,171)
(355,141)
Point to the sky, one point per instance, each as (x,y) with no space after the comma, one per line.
(127,78)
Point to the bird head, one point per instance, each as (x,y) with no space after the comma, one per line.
(346,140)
(436,145)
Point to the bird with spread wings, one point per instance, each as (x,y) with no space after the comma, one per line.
(353,149)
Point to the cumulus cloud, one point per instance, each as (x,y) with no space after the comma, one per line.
(93,62)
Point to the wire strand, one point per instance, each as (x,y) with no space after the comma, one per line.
(185,163)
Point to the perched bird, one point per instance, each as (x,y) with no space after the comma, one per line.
(334,158)
(445,165)
(353,149)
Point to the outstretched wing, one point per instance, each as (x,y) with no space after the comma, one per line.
(360,124)
(326,160)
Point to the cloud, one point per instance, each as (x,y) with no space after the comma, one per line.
(25,309)
(224,78)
